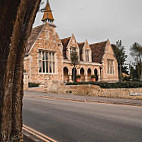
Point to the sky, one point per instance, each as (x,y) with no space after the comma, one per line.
(98,20)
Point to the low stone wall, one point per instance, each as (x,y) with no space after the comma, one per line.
(128,93)
(93,90)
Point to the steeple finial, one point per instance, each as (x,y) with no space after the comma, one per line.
(48,16)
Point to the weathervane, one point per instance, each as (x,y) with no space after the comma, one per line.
(48,16)
(45,9)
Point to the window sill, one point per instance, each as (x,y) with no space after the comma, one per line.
(47,73)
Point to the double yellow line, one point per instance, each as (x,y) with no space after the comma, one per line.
(38,134)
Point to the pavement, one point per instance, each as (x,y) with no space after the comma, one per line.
(27,139)
(70,97)
(67,118)
(75,98)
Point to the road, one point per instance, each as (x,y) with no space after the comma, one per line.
(67,121)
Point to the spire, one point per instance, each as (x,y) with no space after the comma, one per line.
(48,16)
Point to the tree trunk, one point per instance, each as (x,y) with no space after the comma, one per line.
(120,73)
(16,19)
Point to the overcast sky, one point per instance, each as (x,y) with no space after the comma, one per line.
(98,20)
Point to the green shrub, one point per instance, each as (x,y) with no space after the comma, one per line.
(111,85)
(78,76)
(126,78)
(93,76)
(30,84)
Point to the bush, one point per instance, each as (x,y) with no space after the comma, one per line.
(78,76)
(30,84)
(93,76)
(126,78)
(111,85)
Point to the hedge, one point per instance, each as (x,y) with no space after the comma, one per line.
(30,84)
(111,85)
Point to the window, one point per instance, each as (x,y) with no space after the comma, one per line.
(87,55)
(110,67)
(72,49)
(46,62)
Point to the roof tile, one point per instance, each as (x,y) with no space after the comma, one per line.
(98,51)
(65,42)
(33,36)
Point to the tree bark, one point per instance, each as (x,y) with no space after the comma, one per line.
(16,19)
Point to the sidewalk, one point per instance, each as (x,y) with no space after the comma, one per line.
(26,139)
(70,97)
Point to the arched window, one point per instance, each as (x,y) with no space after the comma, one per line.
(82,75)
(66,76)
(74,74)
(96,74)
(87,55)
(89,74)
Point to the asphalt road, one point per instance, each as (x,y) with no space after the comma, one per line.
(67,121)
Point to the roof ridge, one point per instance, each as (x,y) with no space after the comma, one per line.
(37,26)
(65,38)
(80,42)
(33,37)
(98,43)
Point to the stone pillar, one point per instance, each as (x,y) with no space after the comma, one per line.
(100,73)
(70,75)
(78,71)
(98,70)
(45,84)
(70,78)
(25,81)
(86,75)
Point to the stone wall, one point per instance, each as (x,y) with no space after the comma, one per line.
(109,54)
(93,90)
(48,40)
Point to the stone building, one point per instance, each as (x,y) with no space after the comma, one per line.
(48,58)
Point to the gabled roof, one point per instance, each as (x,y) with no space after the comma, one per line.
(33,36)
(81,45)
(65,42)
(98,51)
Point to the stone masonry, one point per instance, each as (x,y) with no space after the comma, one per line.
(47,57)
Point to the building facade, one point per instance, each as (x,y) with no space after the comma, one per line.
(48,58)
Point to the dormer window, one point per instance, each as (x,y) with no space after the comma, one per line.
(87,55)
(73,41)
(72,49)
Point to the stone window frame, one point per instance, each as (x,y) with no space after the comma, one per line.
(47,57)
(71,48)
(110,67)
(87,56)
